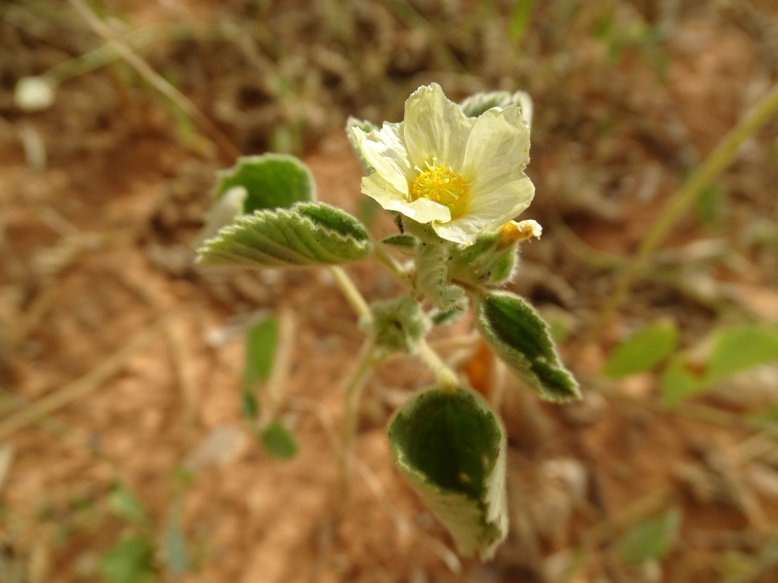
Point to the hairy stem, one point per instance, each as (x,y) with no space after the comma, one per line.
(382,255)
(352,294)
(445,377)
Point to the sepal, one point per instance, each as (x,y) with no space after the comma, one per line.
(488,261)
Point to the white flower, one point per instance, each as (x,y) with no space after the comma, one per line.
(464,176)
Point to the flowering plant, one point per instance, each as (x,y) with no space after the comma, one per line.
(454,176)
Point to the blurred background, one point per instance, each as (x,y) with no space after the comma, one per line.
(125,454)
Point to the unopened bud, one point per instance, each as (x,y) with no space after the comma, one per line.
(519,231)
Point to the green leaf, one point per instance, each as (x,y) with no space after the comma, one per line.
(279,441)
(403,241)
(651,540)
(249,405)
(271,181)
(126,505)
(523,341)
(174,551)
(451,447)
(643,350)
(305,235)
(740,348)
(129,561)
(261,343)
(477,104)
(520,18)
(679,382)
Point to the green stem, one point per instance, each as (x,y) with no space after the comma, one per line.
(382,255)
(715,163)
(353,295)
(352,395)
(445,377)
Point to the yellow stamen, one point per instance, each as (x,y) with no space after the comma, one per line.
(442,185)
(519,231)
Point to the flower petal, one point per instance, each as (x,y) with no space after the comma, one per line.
(434,129)
(421,210)
(385,151)
(498,149)
(488,211)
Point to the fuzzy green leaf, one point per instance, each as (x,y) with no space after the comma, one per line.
(737,349)
(399,324)
(125,504)
(305,235)
(402,241)
(279,441)
(451,447)
(679,382)
(651,540)
(523,341)
(270,181)
(643,350)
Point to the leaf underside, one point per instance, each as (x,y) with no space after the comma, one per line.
(305,235)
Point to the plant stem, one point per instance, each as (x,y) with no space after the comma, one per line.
(445,377)
(382,255)
(716,162)
(353,295)
(352,394)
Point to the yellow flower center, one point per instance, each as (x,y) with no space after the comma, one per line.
(442,185)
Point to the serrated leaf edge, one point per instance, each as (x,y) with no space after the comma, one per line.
(210,253)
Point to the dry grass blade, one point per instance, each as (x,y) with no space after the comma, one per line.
(229,150)
(82,386)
